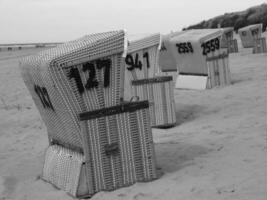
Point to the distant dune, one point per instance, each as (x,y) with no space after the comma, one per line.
(253,15)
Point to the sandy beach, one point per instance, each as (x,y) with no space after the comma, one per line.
(217,150)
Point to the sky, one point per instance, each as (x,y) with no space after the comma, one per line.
(26,21)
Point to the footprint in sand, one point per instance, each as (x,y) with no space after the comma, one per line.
(122,195)
(140,195)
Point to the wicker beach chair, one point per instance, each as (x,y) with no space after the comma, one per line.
(97,142)
(218,69)
(198,57)
(144,81)
(141,61)
(259,45)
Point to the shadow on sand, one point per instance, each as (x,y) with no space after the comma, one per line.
(187,113)
(184,113)
(172,157)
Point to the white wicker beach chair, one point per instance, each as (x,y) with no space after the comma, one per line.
(96,142)
(144,81)
(259,45)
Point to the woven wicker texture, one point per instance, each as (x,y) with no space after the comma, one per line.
(120,147)
(81,75)
(218,69)
(259,45)
(118,152)
(63,168)
(141,61)
(143,43)
(159,92)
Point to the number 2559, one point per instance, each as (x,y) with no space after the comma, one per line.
(210,46)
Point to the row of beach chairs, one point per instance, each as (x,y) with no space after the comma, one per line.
(101,95)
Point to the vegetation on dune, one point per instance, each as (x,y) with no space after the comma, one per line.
(253,15)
